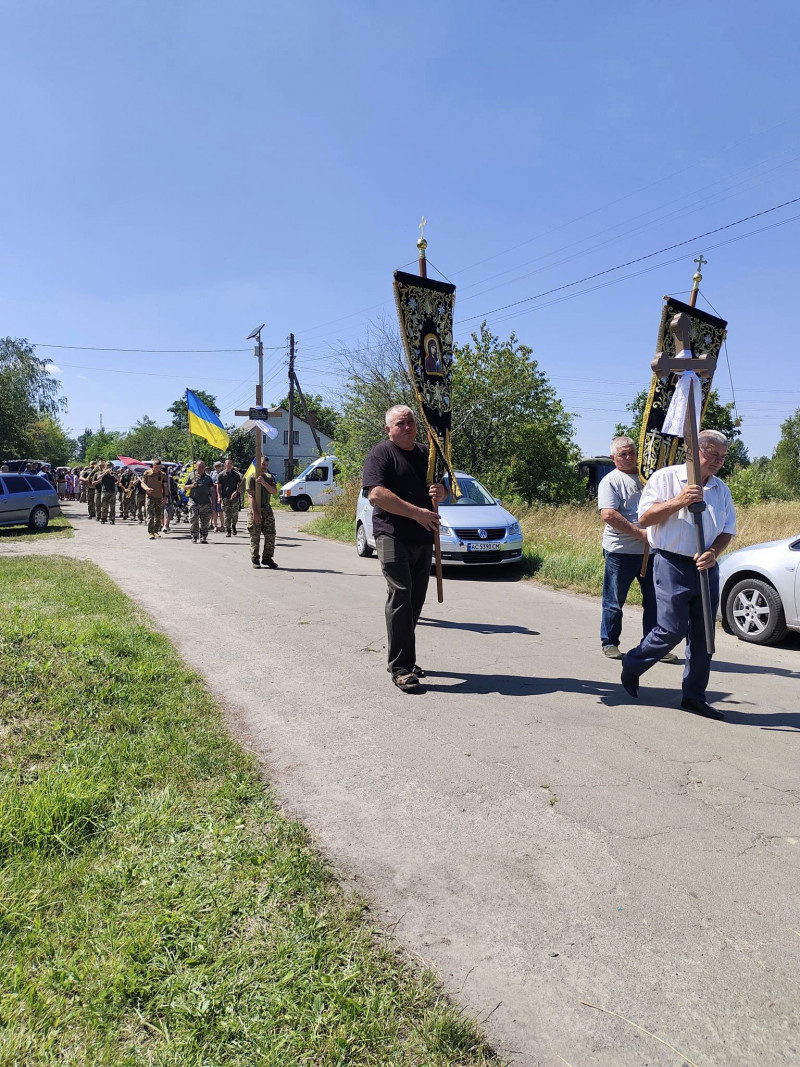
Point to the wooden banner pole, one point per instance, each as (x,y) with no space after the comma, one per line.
(422,244)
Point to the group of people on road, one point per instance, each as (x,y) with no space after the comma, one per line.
(214,500)
(655,514)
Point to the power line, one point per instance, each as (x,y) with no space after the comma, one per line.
(640,259)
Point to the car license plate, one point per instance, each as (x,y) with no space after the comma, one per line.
(481,546)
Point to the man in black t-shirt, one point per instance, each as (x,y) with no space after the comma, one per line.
(395,473)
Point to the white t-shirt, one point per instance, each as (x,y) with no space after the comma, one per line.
(677,533)
(621,492)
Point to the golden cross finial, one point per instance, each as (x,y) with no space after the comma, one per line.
(422,244)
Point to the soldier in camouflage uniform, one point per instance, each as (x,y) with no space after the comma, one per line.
(200,489)
(155,486)
(126,500)
(97,489)
(87,487)
(261,487)
(229,484)
(108,493)
(139,499)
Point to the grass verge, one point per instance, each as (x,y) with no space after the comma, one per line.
(563,543)
(60,526)
(155,905)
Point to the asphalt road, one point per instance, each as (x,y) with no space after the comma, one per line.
(521,825)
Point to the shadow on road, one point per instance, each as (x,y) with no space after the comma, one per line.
(514,685)
(479,627)
(754,668)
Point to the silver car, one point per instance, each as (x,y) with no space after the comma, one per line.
(27,499)
(475,528)
(760,591)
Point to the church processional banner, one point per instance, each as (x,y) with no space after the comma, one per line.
(657,449)
(425,309)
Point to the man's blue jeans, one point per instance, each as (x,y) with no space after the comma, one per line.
(620,571)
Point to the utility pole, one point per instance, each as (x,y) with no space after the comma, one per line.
(258,352)
(290,459)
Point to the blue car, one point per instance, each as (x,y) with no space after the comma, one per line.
(27,499)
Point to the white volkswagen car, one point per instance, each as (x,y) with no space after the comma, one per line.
(760,591)
(475,528)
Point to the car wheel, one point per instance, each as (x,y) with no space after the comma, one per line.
(363,547)
(39,518)
(754,612)
(303,503)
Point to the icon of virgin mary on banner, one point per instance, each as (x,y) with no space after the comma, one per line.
(425,309)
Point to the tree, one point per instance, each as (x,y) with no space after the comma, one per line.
(28,392)
(242,448)
(50,441)
(376,378)
(105,444)
(82,443)
(509,428)
(717,416)
(180,417)
(786,458)
(508,423)
(327,417)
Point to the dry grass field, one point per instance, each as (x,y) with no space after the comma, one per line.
(562,543)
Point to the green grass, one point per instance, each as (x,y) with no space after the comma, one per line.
(155,905)
(60,526)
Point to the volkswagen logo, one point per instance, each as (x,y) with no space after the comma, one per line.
(482,534)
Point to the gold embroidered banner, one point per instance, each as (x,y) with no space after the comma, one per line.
(425,309)
(657,449)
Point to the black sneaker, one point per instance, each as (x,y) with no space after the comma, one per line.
(256,564)
(203,540)
(194,540)
(227,533)
(234,531)
(268,561)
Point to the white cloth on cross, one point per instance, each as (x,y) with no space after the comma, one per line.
(675,418)
(265,428)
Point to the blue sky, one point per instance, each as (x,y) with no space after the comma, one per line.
(176,173)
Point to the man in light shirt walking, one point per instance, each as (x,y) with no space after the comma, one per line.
(618,496)
(664,512)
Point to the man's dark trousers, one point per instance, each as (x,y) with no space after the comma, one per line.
(679,608)
(407,569)
(621,568)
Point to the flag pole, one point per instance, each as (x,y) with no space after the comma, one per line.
(191,439)
(697,277)
(422,244)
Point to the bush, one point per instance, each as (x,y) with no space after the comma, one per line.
(757,483)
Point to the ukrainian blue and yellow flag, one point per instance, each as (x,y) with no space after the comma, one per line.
(204,422)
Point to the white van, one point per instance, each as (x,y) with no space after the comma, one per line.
(316,485)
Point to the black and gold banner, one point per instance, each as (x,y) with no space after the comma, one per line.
(425,309)
(657,449)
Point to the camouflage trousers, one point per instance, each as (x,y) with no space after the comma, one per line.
(155,514)
(199,518)
(108,505)
(90,501)
(137,507)
(230,509)
(266,527)
(98,502)
(126,506)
